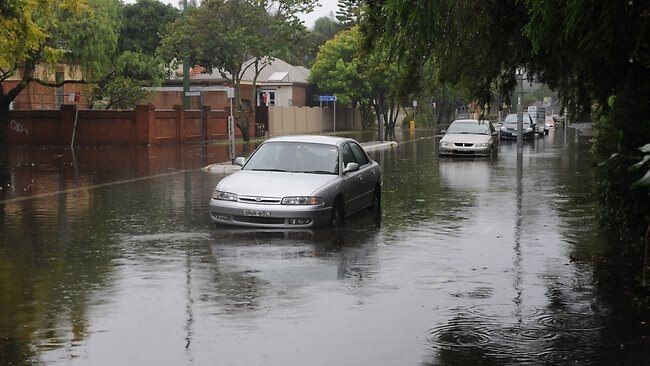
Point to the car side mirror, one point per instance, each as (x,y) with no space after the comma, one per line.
(443,132)
(351,167)
(495,133)
(240,160)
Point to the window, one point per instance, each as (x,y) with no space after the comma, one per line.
(348,156)
(359,155)
(265,98)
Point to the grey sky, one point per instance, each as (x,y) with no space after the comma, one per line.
(322,10)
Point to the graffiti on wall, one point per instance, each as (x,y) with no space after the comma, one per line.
(18,127)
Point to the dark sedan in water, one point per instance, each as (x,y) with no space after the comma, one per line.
(509,128)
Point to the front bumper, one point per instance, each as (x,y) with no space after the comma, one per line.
(512,135)
(465,151)
(279,216)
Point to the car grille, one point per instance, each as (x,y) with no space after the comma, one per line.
(260,200)
(460,144)
(259,220)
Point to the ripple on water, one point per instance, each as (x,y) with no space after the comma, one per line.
(534,337)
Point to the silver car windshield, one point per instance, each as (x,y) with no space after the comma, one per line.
(472,128)
(295,157)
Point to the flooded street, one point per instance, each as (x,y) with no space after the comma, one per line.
(108,257)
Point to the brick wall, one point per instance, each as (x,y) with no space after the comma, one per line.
(142,126)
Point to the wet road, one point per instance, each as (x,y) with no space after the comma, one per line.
(108,257)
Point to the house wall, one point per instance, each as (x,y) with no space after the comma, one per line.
(142,126)
(282,96)
(37,96)
(297,120)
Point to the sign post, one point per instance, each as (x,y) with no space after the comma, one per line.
(231,127)
(327,98)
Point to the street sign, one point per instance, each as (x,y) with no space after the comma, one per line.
(327,98)
(193,94)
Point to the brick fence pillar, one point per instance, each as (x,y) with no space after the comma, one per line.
(145,120)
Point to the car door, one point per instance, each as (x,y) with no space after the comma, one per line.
(367,174)
(353,188)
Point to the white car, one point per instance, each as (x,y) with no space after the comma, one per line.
(469,137)
(297,182)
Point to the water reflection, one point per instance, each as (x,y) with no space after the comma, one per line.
(249,261)
(467,264)
(466,174)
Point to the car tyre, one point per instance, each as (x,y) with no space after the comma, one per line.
(338,215)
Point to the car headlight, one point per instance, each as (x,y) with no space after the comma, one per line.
(481,145)
(445,143)
(529,129)
(303,200)
(224,196)
(503,128)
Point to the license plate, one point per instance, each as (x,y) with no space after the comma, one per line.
(257,213)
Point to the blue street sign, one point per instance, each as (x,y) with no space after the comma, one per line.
(327,98)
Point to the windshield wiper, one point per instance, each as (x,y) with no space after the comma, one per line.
(269,170)
(317,172)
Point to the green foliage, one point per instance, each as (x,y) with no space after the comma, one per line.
(348,13)
(123,88)
(90,40)
(364,80)
(142,24)
(26,29)
(339,69)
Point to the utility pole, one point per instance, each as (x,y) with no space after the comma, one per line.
(186,71)
(520,112)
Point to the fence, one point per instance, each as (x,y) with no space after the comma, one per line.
(295,120)
(142,126)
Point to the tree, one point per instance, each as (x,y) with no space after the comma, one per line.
(80,33)
(123,87)
(143,22)
(348,13)
(358,79)
(135,64)
(224,35)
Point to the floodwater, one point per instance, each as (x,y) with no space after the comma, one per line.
(107,257)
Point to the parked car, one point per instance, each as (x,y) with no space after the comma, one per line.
(298,181)
(509,128)
(469,137)
(549,122)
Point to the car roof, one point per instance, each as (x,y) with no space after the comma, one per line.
(316,139)
(470,121)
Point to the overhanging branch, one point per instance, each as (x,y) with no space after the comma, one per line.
(58,84)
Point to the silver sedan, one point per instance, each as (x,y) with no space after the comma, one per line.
(469,137)
(298,181)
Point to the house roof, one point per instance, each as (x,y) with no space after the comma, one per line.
(278,71)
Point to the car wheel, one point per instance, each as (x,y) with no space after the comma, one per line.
(376,200)
(338,215)
(545,132)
